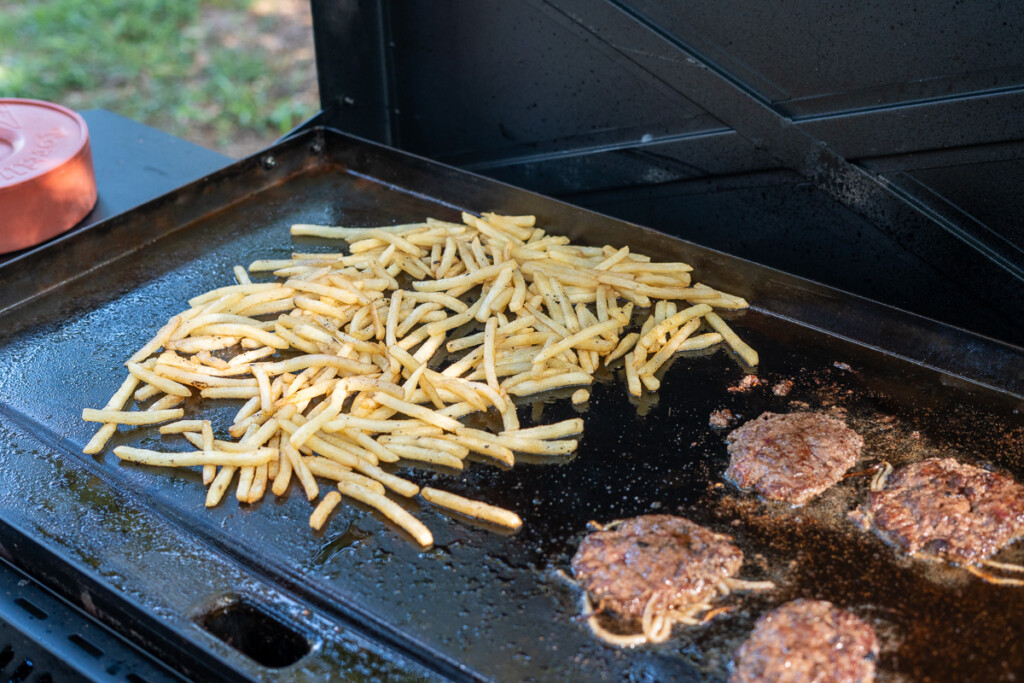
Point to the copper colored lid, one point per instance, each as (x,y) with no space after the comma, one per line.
(47,183)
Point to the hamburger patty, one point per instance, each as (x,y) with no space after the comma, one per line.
(807,640)
(791,457)
(946,509)
(664,555)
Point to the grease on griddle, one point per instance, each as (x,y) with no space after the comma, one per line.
(918,609)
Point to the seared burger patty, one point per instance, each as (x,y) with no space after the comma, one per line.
(942,508)
(807,640)
(791,457)
(653,555)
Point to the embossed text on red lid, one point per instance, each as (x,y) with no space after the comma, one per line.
(35,138)
(47,182)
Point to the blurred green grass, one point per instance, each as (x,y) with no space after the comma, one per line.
(199,70)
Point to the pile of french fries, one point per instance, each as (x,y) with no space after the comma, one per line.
(350,360)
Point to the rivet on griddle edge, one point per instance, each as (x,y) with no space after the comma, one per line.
(268,162)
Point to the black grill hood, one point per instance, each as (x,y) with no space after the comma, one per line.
(871,146)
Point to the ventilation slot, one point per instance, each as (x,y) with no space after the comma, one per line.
(37,612)
(86,646)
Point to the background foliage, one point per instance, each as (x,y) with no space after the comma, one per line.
(229,74)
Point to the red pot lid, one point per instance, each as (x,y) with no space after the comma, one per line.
(47,184)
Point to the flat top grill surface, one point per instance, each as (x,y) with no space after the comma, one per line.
(498,602)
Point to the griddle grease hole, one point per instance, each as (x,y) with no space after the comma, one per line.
(255,633)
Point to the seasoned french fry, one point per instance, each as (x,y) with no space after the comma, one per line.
(127,417)
(257,456)
(116,402)
(748,354)
(323,509)
(472,508)
(392,510)
(219,486)
(342,370)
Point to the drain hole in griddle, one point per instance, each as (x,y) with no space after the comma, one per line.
(255,634)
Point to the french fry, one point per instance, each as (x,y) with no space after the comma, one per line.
(208,442)
(748,354)
(127,417)
(257,456)
(489,371)
(402,487)
(392,510)
(341,367)
(116,402)
(472,508)
(670,347)
(556,430)
(219,486)
(324,509)
(164,384)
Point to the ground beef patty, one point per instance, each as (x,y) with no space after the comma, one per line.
(807,640)
(946,509)
(791,457)
(664,555)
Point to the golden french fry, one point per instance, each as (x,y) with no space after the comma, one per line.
(472,508)
(632,378)
(671,346)
(748,354)
(219,486)
(184,426)
(127,417)
(323,509)
(580,396)
(256,456)
(359,380)
(392,510)
(116,402)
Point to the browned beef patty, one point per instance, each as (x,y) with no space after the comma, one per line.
(681,562)
(805,641)
(791,457)
(946,509)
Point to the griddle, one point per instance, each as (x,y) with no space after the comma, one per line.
(135,548)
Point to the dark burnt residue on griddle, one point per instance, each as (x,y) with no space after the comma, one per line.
(934,622)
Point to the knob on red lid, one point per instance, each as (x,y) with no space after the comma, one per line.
(47,184)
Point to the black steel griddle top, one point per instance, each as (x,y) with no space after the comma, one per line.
(482,603)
